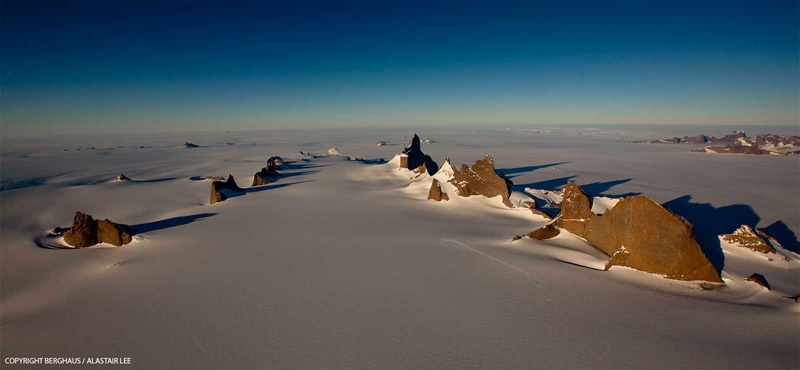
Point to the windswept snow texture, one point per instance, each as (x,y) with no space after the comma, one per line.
(344,264)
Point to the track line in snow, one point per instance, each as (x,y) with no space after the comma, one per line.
(527,274)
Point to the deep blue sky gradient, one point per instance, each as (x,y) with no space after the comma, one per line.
(142,66)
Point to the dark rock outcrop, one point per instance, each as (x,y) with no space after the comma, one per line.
(219,188)
(436,193)
(746,237)
(638,233)
(190,145)
(698,139)
(413,157)
(274,163)
(481,179)
(270,171)
(759,279)
(121,177)
(261,178)
(86,232)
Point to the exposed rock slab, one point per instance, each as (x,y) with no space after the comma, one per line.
(746,237)
(436,193)
(481,179)
(544,233)
(638,233)
(86,232)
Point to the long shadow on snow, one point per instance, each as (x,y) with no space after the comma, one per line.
(783,235)
(520,170)
(709,222)
(260,188)
(594,189)
(300,164)
(168,223)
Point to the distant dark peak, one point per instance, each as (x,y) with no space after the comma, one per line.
(413,157)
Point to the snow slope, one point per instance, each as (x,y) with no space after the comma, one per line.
(343,263)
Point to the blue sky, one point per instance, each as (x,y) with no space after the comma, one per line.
(149,66)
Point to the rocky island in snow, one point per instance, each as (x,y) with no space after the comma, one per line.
(738,142)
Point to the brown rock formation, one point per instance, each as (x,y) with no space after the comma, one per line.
(111,233)
(772,139)
(759,279)
(260,178)
(86,232)
(730,138)
(413,157)
(121,177)
(83,232)
(218,189)
(436,193)
(421,169)
(481,179)
(543,233)
(638,233)
(746,237)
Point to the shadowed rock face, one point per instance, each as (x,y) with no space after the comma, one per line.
(759,279)
(413,157)
(638,233)
(481,179)
(260,178)
(217,186)
(436,193)
(86,232)
(746,237)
